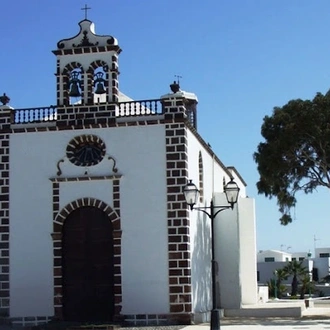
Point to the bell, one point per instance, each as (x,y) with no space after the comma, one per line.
(74,90)
(100,88)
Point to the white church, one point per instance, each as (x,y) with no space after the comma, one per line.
(94,224)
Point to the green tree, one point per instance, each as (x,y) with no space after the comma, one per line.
(280,275)
(297,270)
(306,285)
(295,155)
(326,279)
(271,287)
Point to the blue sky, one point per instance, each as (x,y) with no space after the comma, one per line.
(241,58)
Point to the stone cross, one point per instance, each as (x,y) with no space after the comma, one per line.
(85,9)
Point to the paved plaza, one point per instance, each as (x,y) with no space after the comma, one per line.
(268,324)
(316,318)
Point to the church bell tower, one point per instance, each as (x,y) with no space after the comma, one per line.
(87,68)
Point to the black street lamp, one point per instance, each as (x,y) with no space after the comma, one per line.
(191,194)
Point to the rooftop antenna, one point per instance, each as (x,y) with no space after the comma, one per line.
(282,245)
(288,248)
(315,239)
(178,78)
(85,9)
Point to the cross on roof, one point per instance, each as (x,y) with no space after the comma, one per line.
(85,9)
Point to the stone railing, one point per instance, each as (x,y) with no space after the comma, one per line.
(140,108)
(34,115)
(125,109)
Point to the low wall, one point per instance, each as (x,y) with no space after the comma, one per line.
(271,309)
(263,295)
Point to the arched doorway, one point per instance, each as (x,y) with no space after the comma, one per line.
(87,263)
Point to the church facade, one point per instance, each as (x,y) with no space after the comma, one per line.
(94,226)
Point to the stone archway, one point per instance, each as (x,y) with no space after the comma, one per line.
(71,211)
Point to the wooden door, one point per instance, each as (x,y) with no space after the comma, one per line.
(87,261)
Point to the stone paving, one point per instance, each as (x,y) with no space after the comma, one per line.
(268,324)
(313,319)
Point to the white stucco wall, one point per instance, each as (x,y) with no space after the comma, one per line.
(247,244)
(299,255)
(200,229)
(227,248)
(236,253)
(318,251)
(200,224)
(277,255)
(140,156)
(323,267)
(266,271)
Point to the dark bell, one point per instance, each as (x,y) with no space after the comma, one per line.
(74,90)
(100,88)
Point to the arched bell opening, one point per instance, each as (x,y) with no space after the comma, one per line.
(72,89)
(75,91)
(100,83)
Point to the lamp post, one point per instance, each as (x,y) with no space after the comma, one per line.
(191,194)
(275,286)
(310,274)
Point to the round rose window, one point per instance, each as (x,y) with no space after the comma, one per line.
(85,150)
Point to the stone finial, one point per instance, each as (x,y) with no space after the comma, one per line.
(4,99)
(175,87)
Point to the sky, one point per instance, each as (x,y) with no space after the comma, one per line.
(240,57)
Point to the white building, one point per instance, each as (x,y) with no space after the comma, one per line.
(299,256)
(322,252)
(93,220)
(273,256)
(270,260)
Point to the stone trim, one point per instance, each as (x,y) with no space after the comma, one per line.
(5,118)
(177,214)
(135,319)
(86,115)
(30,320)
(87,50)
(4,224)
(86,178)
(59,217)
(144,122)
(201,177)
(157,319)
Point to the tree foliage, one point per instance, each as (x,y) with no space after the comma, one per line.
(297,270)
(295,155)
(280,276)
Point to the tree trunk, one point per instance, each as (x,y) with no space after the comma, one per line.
(302,291)
(294,286)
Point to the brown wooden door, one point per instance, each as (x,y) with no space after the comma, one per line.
(87,261)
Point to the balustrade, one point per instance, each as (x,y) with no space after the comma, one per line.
(140,108)
(125,109)
(34,115)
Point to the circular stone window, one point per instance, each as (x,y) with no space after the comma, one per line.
(85,150)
